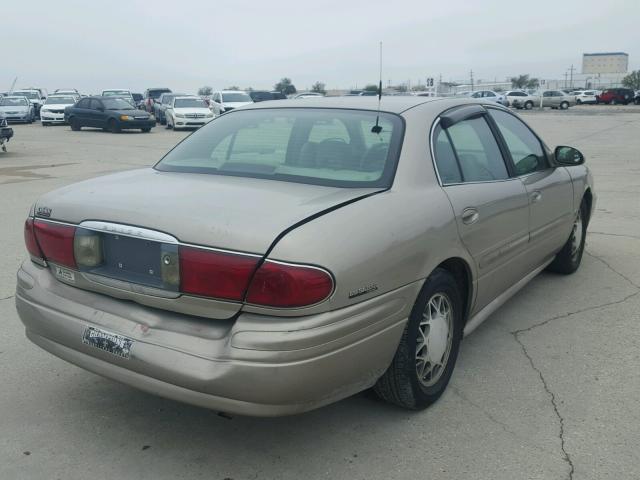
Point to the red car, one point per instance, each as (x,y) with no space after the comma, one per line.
(614,96)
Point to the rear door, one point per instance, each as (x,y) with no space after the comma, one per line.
(549,189)
(81,111)
(491,207)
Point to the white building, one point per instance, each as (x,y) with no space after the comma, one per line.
(605,63)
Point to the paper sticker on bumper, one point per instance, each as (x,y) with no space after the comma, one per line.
(109,342)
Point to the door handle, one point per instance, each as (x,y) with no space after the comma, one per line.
(536,197)
(470,216)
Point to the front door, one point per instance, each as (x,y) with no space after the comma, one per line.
(548,188)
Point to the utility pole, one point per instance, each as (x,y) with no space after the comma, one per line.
(571,82)
(566,74)
(471,76)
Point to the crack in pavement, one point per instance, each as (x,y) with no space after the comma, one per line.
(517,333)
(635,237)
(552,396)
(7,298)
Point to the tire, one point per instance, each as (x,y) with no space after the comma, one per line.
(73,123)
(113,126)
(564,105)
(569,258)
(146,130)
(613,102)
(401,384)
(637,101)
(579,102)
(528,105)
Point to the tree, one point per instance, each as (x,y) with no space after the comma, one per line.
(233,87)
(318,87)
(524,81)
(371,88)
(285,86)
(533,83)
(632,80)
(205,91)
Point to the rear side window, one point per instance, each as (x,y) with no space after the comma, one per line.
(331,147)
(477,151)
(525,148)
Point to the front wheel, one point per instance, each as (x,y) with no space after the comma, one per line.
(568,259)
(145,130)
(113,126)
(428,349)
(45,124)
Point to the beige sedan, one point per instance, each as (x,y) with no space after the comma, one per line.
(290,254)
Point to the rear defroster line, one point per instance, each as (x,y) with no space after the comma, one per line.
(299,224)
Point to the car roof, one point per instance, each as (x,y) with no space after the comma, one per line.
(387,104)
(182,97)
(233,91)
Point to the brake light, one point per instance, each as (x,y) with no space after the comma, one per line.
(284,285)
(30,240)
(215,274)
(56,242)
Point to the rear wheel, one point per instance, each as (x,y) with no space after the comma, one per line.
(528,105)
(568,259)
(564,105)
(74,124)
(428,349)
(113,126)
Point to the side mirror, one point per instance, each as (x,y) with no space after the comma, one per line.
(568,156)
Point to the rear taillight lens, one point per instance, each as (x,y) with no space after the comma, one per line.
(30,240)
(287,286)
(56,242)
(215,274)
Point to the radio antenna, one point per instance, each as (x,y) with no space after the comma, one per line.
(377,128)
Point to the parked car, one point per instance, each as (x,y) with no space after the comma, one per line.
(520,99)
(120,93)
(66,91)
(557,99)
(636,99)
(35,97)
(53,109)
(263,95)
(6,132)
(17,108)
(250,270)
(585,96)
(308,95)
(187,112)
(614,96)
(109,113)
(227,100)
(161,104)
(151,95)
(490,95)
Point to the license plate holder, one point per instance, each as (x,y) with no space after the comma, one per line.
(112,343)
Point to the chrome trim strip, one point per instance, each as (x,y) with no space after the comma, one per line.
(128,231)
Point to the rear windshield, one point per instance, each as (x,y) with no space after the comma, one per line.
(332,147)
(236,97)
(30,95)
(158,92)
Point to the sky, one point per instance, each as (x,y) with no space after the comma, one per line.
(95,45)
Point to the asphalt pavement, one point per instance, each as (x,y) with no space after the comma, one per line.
(547,388)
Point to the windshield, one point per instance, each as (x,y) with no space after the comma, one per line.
(189,103)
(14,102)
(330,147)
(116,104)
(30,95)
(116,93)
(236,97)
(60,101)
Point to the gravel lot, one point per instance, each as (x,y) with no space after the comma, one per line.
(547,388)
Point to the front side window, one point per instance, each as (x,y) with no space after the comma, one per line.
(526,150)
(331,147)
(477,151)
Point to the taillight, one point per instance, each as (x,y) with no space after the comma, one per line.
(215,274)
(56,242)
(284,285)
(30,240)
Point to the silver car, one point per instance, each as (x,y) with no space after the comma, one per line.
(556,99)
(290,254)
(17,108)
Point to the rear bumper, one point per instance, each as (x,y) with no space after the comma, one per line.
(255,365)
